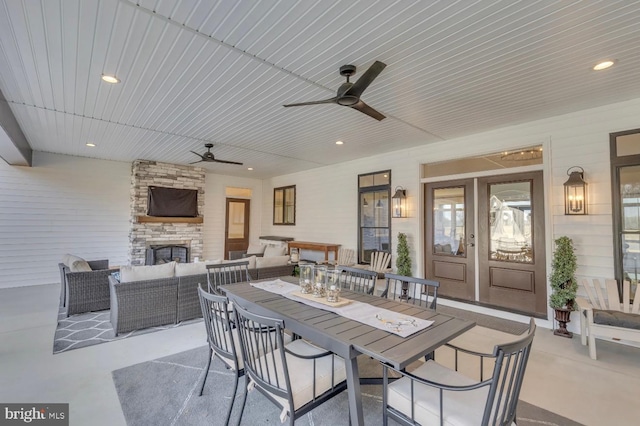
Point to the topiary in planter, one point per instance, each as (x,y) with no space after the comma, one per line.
(403,260)
(563,283)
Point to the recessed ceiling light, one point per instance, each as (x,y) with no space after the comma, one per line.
(339,143)
(91,144)
(603,65)
(110,79)
(249,168)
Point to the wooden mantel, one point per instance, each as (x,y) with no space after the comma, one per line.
(158,219)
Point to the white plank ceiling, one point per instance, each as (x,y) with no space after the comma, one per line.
(198,71)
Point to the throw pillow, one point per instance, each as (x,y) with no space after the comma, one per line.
(256,248)
(265,262)
(151,272)
(183,269)
(272,250)
(116,275)
(80,266)
(68,259)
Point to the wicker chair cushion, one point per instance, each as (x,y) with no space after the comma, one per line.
(256,248)
(264,262)
(183,269)
(80,266)
(272,250)
(616,319)
(251,259)
(151,272)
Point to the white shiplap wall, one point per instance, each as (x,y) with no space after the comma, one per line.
(65,204)
(215,211)
(327,197)
(61,205)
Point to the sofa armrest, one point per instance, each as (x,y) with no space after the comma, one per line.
(98,264)
(236,254)
(87,291)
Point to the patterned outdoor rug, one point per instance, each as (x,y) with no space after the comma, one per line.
(93,328)
(164,392)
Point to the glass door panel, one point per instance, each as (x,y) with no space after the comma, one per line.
(630,224)
(510,231)
(449,221)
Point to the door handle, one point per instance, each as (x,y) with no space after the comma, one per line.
(471,244)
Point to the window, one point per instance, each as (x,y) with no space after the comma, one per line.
(374,213)
(625,182)
(284,205)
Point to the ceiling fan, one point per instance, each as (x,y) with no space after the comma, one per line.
(349,93)
(208,157)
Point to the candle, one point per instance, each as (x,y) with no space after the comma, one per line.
(332,288)
(318,285)
(306,281)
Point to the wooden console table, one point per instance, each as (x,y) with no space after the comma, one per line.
(326,248)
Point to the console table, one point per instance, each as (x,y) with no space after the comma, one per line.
(306,245)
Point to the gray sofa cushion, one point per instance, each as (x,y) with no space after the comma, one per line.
(616,319)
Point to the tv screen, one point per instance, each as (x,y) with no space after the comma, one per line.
(172,202)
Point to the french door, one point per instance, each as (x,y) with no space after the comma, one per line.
(236,232)
(485,241)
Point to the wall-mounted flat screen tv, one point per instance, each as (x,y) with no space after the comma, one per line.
(172,202)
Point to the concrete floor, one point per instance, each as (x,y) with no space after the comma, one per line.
(560,377)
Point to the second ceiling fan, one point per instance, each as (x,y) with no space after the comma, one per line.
(349,93)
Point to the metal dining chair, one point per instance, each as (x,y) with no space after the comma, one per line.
(227,273)
(223,342)
(433,394)
(417,291)
(356,279)
(297,376)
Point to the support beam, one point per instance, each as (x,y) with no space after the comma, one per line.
(14,147)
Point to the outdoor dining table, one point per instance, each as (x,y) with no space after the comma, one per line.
(348,338)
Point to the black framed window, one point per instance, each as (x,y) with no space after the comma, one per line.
(625,190)
(284,205)
(374,214)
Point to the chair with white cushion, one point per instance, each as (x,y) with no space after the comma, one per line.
(436,395)
(297,376)
(220,336)
(227,273)
(356,279)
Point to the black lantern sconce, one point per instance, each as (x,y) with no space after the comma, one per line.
(575,192)
(399,200)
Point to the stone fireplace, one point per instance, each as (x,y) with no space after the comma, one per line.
(157,233)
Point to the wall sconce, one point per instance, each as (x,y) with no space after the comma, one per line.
(399,200)
(575,192)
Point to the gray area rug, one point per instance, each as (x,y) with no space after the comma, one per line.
(500,324)
(93,328)
(164,392)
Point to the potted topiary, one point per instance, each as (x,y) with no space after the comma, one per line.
(563,284)
(403,260)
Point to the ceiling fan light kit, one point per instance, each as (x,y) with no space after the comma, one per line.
(348,93)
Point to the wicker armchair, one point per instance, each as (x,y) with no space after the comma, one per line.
(85,291)
(142,304)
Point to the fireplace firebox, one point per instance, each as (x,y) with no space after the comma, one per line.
(157,255)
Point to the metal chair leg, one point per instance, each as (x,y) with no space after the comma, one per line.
(233,399)
(244,397)
(205,373)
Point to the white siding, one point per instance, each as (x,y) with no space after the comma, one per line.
(215,211)
(327,197)
(66,204)
(61,205)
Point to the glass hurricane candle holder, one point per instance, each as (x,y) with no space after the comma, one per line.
(306,279)
(333,292)
(320,282)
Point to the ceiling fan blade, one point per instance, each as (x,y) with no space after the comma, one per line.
(326,101)
(227,162)
(362,107)
(366,79)
(199,161)
(199,155)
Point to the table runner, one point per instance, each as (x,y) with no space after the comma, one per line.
(383,319)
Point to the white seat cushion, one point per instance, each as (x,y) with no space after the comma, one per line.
(272,250)
(151,272)
(301,372)
(265,262)
(183,269)
(460,408)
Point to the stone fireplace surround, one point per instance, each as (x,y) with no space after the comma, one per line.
(169,231)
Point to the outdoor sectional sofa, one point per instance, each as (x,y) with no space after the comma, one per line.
(153,302)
